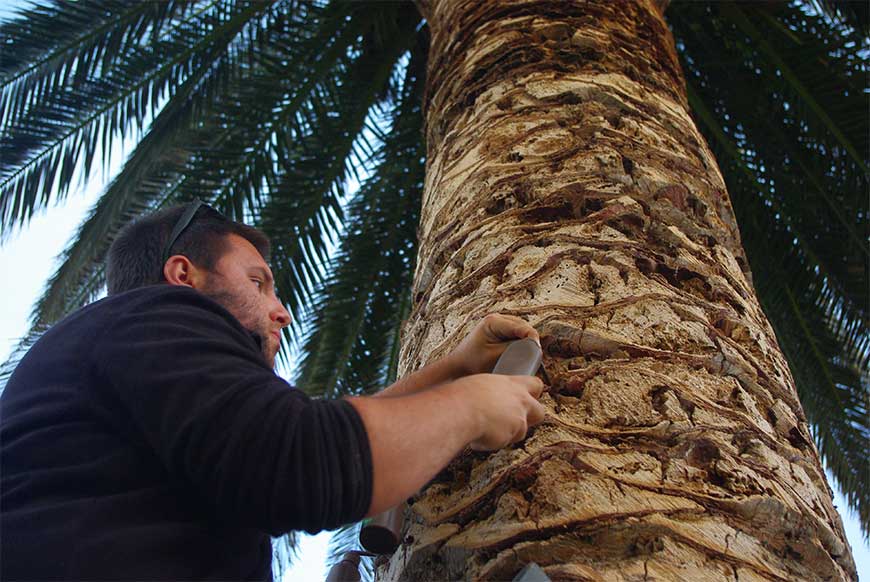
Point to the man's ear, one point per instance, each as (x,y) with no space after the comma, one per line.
(178,270)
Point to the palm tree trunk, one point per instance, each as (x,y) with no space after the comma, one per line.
(567,184)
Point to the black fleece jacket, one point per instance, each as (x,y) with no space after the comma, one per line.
(144,437)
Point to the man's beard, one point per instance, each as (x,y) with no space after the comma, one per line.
(242,310)
(265,349)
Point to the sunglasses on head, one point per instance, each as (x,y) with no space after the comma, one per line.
(186,220)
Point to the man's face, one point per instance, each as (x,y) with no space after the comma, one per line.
(242,282)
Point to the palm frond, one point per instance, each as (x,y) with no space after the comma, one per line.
(80,277)
(304,208)
(350,347)
(285,550)
(162,168)
(853,13)
(794,84)
(59,137)
(48,48)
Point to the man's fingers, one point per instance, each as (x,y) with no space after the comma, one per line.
(507,327)
(532,333)
(533,384)
(536,414)
(520,434)
(523,329)
(539,387)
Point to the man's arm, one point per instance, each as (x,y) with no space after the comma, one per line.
(477,354)
(438,372)
(413,437)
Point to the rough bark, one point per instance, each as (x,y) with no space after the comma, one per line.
(567,184)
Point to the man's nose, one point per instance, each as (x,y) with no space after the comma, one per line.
(280,313)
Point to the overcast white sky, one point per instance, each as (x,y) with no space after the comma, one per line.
(28,259)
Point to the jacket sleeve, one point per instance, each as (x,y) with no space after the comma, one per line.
(259,452)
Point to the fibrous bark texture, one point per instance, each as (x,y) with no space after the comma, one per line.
(567,184)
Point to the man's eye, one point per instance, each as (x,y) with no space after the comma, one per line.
(258,283)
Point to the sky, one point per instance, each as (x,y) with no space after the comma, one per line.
(28,258)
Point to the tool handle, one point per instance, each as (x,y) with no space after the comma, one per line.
(521,358)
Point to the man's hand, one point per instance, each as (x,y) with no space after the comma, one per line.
(413,437)
(479,351)
(505,407)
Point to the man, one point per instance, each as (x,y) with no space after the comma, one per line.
(146,436)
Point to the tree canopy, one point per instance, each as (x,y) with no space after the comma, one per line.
(275,112)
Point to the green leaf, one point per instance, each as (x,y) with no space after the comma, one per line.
(350,348)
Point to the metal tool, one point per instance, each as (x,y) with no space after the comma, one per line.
(521,358)
(532,573)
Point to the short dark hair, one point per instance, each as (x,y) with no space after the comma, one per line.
(135,258)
